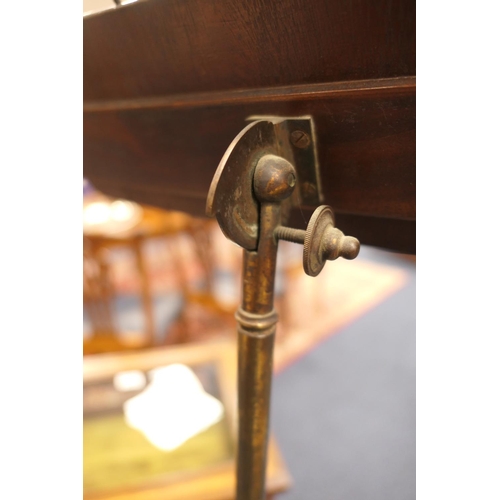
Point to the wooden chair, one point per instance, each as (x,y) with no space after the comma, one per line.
(99,294)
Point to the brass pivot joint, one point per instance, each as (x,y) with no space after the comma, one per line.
(274,181)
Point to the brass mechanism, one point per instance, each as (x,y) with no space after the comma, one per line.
(269,167)
(322,241)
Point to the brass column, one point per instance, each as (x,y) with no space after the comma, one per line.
(251,191)
(274,180)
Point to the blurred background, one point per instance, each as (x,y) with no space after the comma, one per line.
(159,296)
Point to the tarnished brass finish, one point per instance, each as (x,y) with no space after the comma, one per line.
(267,168)
(322,241)
(274,180)
(296,141)
(231,198)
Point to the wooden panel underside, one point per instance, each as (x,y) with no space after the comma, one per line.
(165,152)
(164,95)
(159,47)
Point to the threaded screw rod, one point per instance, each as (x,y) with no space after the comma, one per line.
(290,234)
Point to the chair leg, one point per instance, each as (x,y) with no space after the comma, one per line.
(145,291)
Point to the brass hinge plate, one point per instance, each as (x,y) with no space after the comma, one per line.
(231,198)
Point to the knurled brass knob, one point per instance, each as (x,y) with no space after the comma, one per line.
(322,241)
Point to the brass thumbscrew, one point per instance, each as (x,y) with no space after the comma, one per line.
(322,241)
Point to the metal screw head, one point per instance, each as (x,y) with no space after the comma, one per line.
(309,188)
(300,139)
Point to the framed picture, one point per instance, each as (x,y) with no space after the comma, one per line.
(161,423)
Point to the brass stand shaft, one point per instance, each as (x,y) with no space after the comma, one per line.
(248,200)
(256,332)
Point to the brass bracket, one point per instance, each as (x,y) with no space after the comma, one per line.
(269,167)
(231,197)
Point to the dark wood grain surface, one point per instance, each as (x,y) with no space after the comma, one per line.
(199,45)
(168,85)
